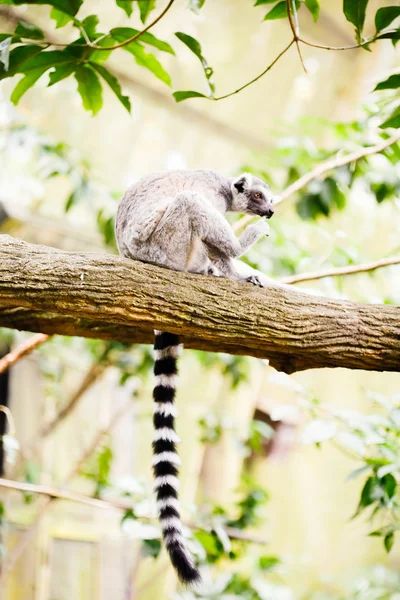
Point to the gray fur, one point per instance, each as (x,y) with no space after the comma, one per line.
(175,219)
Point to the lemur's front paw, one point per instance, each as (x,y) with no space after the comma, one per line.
(260,228)
(255,280)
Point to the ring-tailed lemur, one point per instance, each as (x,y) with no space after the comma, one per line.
(175,219)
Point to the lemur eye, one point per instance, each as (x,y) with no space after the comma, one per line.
(257,195)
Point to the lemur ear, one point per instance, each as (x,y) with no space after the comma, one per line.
(241,183)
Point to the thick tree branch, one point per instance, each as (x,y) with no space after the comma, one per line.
(103,296)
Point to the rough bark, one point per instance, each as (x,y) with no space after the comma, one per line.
(100,295)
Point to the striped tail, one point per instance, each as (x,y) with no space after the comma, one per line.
(166,460)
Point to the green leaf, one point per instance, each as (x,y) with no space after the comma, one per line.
(89,24)
(266,563)
(278,12)
(5,52)
(114,85)
(151,548)
(70,7)
(389,484)
(26,83)
(89,88)
(391,83)
(148,61)
(354,11)
(18,58)
(389,541)
(120,34)
(61,72)
(45,59)
(196,5)
(385,16)
(28,30)
(314,8)
(126,5)
(145,8)
(61,18)
(259,2)
(195,47)
(390,35)
(184,95)
(394,120)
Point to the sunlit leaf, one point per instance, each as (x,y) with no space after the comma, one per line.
(27,82)
(278,12)
(121,34)
(126,5)
(394,119)
(385,16)
(114,85)
(61,18)
(355,11)
(89,24)
(184,95)
(314,8)
(89,88)
(145,8)
(148,61)
(389,541)
(266,563)
(195,47)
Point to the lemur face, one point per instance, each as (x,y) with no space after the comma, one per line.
(252,195)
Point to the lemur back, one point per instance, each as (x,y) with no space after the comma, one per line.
(175,220)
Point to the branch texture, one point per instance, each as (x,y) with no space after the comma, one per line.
(100,295)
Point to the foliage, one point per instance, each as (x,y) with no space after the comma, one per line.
(373,440)
(28,50)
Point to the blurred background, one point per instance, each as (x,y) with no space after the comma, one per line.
(266,456)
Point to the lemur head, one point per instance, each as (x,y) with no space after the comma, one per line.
(252,195)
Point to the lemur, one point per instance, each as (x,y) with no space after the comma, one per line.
(175,219)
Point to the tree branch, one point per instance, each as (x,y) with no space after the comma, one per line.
(324,167)
(25,348)
(349,270)
(335,162)
(26,538)
(57,494)
(103,296)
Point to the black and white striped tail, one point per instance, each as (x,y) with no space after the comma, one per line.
(166,460)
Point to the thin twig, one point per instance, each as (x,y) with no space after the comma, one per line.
(25,348)
(294,26)
(52,492)
(332,163)
(337,271)
(57,494)
(138,34)
(48,42)
(92,375)
(258,76)
(351,47)
(26,538)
